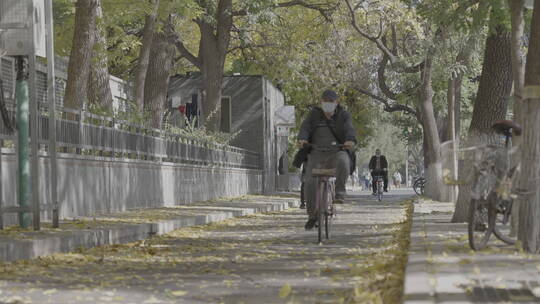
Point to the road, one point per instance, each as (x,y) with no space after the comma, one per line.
(266,258)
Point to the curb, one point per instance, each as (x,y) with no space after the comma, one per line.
(418,282)
(14,250)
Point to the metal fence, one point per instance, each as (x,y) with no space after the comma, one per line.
(81,132)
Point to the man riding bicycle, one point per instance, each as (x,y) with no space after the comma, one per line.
(327,124)
(378,166)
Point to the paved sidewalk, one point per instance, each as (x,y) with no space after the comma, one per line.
(130,226)
(264,258)
(443,269)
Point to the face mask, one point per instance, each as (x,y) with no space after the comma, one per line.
(328,107)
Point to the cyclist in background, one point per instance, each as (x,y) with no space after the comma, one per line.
(327,124)
(378,166)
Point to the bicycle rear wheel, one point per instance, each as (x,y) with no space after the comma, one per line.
(480,224)
(502,227)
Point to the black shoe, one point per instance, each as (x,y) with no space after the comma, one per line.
(385,190)
(374,193)
(310,224)
(303,206)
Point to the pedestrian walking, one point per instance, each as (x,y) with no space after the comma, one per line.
(397,180)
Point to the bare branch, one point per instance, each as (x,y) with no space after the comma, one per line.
(382,79)
(324,9)
(394,40)
(187,54)
(388,105)
(373,39)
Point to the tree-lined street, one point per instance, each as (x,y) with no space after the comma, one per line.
(164,151)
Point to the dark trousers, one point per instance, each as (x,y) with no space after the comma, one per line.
(384,174)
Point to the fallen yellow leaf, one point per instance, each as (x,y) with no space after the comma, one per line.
(285,291)
(178,293)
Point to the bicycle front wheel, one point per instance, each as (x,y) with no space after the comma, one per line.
(479,224)
(502,227)
(418,186)
(328,211)
(321,210)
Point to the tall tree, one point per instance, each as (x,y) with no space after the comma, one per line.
(422,92)
(157,78)
(84,38)
(99,87)
(491,102)
(215,24)
(529,219)
(144,53)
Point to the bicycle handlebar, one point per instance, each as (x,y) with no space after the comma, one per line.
(326,147)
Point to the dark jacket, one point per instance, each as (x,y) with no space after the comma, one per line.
(373,162)
(341,122)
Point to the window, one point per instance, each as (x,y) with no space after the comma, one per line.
(226,115)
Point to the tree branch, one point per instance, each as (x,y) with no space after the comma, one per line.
(388,105)
(394,40)
(381,76)
(324,9)
(249,46)
(187,54)
(375,40)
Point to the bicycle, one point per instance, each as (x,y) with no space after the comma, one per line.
(491,194)
(379,180)
(325,193)
(419,185)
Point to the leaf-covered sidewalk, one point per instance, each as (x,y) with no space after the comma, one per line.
(442,268)
(266,258)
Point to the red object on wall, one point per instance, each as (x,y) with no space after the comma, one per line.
(182,109)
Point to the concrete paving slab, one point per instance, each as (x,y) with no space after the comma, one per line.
(130,226)
(443,269)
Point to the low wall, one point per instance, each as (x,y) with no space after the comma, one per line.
(88,185)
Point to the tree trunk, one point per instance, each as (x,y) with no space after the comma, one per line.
(490,105)
(529,216)
(518,64)
(157,78)
(518,71)
(451,109)
(99,86)
(432,144)
(144,55)
(76,93)
(213,51)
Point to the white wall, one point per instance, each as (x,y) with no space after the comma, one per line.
(91,185)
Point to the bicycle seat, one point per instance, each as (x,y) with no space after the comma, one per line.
(323,172)
(504,126)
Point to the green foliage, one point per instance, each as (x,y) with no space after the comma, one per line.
(389,138)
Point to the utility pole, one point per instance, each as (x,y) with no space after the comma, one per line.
(407,165)
(51,90)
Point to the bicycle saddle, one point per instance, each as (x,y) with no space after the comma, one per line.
(504,126)
(323,172)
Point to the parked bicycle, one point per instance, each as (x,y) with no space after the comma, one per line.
(325,193)
(418,185)
(491,194)
(379,186)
